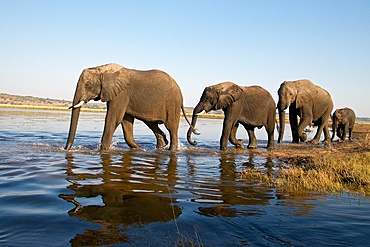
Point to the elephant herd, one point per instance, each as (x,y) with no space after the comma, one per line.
(155,98)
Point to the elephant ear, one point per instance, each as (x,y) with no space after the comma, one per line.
(112,84)
(228,96)
(339,114)
(305,96)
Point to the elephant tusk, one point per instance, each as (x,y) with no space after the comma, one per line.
(195,131)
(200,113)
(78,105)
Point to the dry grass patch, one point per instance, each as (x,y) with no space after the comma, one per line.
(329,173)
(342,167)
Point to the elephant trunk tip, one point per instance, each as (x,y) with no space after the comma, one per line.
(190,131)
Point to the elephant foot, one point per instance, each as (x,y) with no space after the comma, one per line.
(303,137)
(270,146)
(252,146)
(327,144)
(173,148)
(314,142)
(161,146)
(223,148)
(104,148)
(239,144)
(138,148)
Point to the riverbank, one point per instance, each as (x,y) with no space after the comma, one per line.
(340,167)
(50,108)
(85,109)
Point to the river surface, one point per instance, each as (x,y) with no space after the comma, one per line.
(83,197)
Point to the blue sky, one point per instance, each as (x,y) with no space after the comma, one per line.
(45,45)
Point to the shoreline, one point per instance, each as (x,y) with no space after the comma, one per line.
(84,109)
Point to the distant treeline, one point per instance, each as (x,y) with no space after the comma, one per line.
(9,99)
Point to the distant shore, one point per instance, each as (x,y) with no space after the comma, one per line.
(57,108)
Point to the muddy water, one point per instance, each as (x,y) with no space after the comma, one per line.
(148,197)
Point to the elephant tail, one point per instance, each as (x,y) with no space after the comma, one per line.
(194,130)
(277,125)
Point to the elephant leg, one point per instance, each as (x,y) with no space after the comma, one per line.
(230,121)
(128,131)
(112,120)
(333,134)
(159,134)
(344,132)
(339,132)
(294,124)
(172,126)
(326,134)
(302,125)
(270,137)
(320,128)
(350,134)
(226,131)
(233,140)
(252,139)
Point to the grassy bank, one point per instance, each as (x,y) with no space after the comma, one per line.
(342,167)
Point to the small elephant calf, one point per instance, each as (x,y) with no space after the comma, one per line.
(343,121)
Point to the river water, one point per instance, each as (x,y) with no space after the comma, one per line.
(50,197)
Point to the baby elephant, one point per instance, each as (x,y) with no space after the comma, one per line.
(249,106)
(343,121)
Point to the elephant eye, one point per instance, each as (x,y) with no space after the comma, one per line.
(88,85)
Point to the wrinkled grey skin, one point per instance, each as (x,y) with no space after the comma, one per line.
(151,96)
(250,106)
(343,120)
(311,103)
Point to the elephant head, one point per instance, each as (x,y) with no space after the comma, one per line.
(99,83)
(215,97)
(287,95)
(337,119)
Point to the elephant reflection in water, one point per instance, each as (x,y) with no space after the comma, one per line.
(234,191)
(124,202)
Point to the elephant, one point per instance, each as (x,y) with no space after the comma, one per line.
(311,103)
(250,106)
(152,96)
(343,120)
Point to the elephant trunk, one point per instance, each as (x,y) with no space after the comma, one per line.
(197,111)
(191,130)
(282,125)
(76,107)
(72,128)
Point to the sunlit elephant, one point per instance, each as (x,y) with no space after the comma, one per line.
(343,120)
(311,103)
(151,96)
(250,106)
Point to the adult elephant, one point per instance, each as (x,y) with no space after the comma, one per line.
(311,103)
(250,106)
(343,120)
(151,96)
